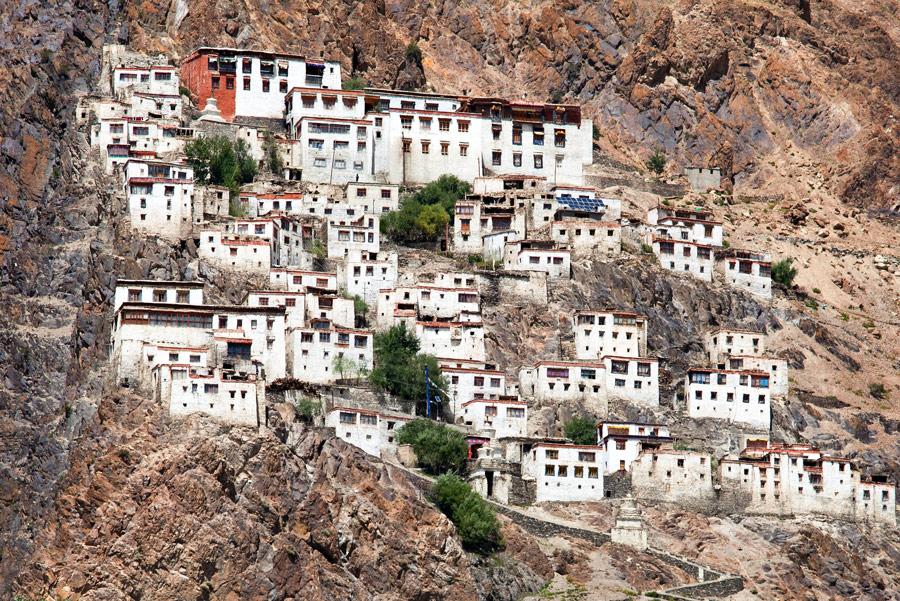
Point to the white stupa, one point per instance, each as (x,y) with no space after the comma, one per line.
(211,112)
(629,529)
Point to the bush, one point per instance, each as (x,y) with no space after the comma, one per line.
(439,449)
(784,272)
(816,291)
(595,131)
(475,520)
(216,160)
(308,408)
(646,248)
(400,368)
(354,83)
(274,163)
(184,91)
(423,215)
(878,391)
(657,162)
(581,430)
(414,53)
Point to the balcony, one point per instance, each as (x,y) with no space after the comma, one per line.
(314,81)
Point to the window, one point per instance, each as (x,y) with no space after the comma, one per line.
(463,150)
(620,445)
(538,161)
(462,126)
(211,388)
(444,124)
(316,143)
(587,456)
(517,159)
(368,420)
(549,470)
(229,83)
(425,146)
(266,83)
(551,454)
(239,350)
(445,148)
(247,84)
(406,122)
(347,418)
(282,86)
(319,163)
(215,83)
(181,296)
(562,471)
(195,358)
(515,412)
(341,145)
(246,66)
(643,369)
(496,157)
(557,372)
(425,123)
(593,472)
(406,145)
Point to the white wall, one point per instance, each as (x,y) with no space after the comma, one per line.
(600,333)
(565,484)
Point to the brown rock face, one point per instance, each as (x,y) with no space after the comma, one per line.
(712,82)
(194,511)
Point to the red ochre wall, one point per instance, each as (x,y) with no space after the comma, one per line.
(197,77)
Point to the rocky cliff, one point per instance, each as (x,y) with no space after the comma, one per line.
(765,90)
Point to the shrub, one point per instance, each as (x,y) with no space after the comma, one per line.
(657,162)
(595,131)
(878,391)
(360,308)
(726,244)
(184,91)
(308,408)
(413,53)
(354,83)
(816,291)
(646,248)
(400,368)
(812,304)
(343,365)
(424,214)
(439,449)
(784,272)
(581,430)
(216,160)
(475,520)
(274,163)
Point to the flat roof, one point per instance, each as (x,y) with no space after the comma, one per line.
(161,283)
(201,308)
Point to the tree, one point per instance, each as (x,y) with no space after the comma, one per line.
(216,160)
(360,310)
(400,368)
(307,409)
(424,214)
(274,163)
(354,83)
(474,518)
(581,430)
(439,449)
(342,365)
(657,162)
(784,272)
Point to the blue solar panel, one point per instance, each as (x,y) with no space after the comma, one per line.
(593,205)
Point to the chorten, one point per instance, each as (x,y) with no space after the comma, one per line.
(629,529)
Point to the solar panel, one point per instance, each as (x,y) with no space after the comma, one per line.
(593,205)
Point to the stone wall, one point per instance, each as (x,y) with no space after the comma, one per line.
(495,286)
(617,485)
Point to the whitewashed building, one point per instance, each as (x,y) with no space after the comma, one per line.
(588,235)
(623,442)
(722,343)
(235,251)
(354,236)
(373,197)
(323,353)
(298,280)
(365,274)
(157,79)
(735,396)
(371,431)
(785,479)
(565,472)
(224,395)
(470,383)
(566,381)
(452,340)
(683,256)
(496,418)
(631,379)
(160,197)
(536,255)
(157,291)
(746,270)
(617,333)
(691,225)
(672,476)
(161,106)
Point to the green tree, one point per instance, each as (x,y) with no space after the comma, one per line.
(474,518)
(274,162)
(342,365)
(581,430)
(784,272)
(355,83)
(657,162)
(424,214)
(400,368)
(216,160)
(307,409)
(439,448)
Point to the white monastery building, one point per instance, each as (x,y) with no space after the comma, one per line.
(565,472)
(736,396)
